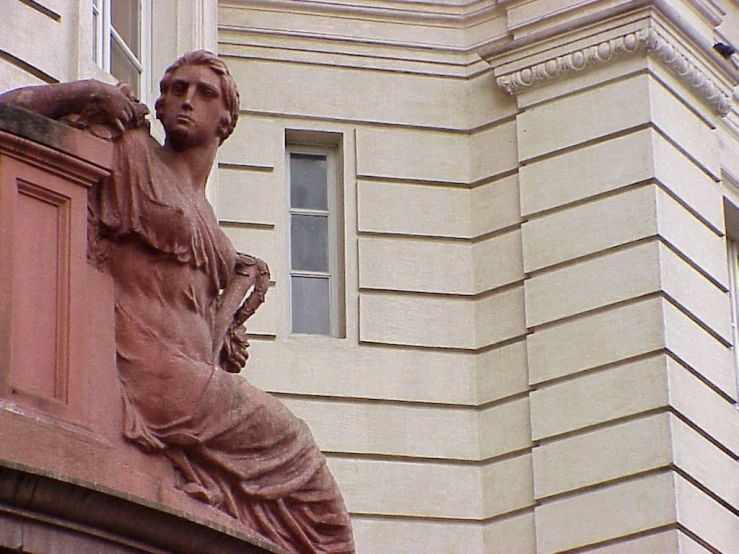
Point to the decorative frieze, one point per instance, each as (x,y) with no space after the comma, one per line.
(647,40)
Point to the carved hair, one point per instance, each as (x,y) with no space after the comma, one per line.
(229,89)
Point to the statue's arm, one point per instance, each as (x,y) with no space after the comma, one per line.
(251,275)
(61,99)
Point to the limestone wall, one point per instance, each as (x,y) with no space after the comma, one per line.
(538,330)
(409,405)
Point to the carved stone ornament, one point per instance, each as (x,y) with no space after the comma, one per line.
(182,295)
(644,40)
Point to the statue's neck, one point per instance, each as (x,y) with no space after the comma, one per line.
(192,165)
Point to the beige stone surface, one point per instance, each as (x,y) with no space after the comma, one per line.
(401,537)
(622,274)
(267,321)
(613,277)
(351,94)
(604,514)
(412,30)
(437,211)
(24,27)
(705,518)
(394,263)
(512,479)
(425,320)
(498,260)
(515,534)
(392,429)
(493,151)
(331,367)
(386,207)
(670,541)
(688,545)
(460,433)
(456,267)
(692,238)
(595,340)
(504,428)
(680,175)
(256,141)
(684,128)
(15,77)
(703,406)
(699,350)
(439,157)
(551,127)
(704,462)
(432,489)
(701,298)
(595,398)
(260,241)
(589,228)
(495,206)
(238,190)
(596,75)
(502,372)
(578,174)
(602,455)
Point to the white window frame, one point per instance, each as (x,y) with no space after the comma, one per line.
(335,242)
(733,263)
(103,32)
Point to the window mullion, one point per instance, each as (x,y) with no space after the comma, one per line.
(107,26)
(126,49)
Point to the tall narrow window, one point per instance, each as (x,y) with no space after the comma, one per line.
(120,40)
(315,282)
(733,253)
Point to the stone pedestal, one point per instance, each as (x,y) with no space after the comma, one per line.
(68,480)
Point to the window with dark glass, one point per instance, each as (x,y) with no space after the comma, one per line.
(313,242)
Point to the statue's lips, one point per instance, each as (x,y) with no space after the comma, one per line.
(184,119)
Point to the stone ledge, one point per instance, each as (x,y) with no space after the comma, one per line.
(68,511)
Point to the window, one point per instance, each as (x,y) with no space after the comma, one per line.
(315,283)
(733,248)
(121,40)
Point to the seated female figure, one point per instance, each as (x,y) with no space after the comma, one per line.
(179,285)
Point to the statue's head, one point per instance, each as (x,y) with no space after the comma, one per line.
(229,89)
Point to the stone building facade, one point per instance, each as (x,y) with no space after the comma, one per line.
(528,210)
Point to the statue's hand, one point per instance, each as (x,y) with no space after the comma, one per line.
(234,352)
(116,105)
(251,278)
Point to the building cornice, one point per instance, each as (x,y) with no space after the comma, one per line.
(459,14)
(647,39)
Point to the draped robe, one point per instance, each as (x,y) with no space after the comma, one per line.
(232,445)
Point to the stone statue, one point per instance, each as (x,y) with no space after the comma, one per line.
(179,287)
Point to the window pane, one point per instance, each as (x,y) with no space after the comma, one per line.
(125,19)
(122,68)
(309,242)
(308,188)
(310,305)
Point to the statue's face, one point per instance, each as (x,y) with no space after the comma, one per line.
(193,110)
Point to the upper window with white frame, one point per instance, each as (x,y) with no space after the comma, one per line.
(316,282)
(121,40)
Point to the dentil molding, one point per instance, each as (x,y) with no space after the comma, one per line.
(647,40)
